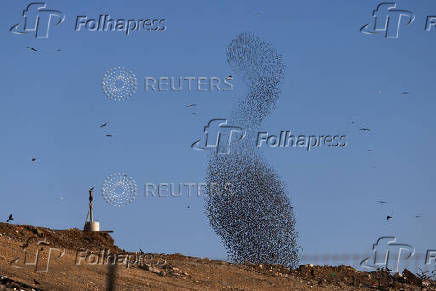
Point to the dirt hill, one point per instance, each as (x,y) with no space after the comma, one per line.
(43,259)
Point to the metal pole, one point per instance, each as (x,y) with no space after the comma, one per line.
(91,216)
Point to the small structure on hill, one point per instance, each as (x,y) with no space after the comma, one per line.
(90,224)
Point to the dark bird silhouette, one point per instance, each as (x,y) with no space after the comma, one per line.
(26,243)
(352,122)
(59,50)
(365,129)
(191,105)
(32,48)
(14,261)
(405,93)
(388,217)
(381,202)
(189,206)
(109,135)
(194,113)
(418,216)
(369,150)
(10,218)
(103,125)
(33,159)
(141,251)
(35,282)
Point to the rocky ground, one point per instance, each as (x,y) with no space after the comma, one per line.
(36,258)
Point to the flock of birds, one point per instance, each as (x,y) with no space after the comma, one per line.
(254,218)
(242,246)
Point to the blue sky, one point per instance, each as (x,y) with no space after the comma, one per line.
(52,105)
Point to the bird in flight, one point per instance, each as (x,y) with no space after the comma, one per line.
(405,93)
(33,159)
(141,251)
(103,125)
(365,129)
(191,105)
(388,217)
(32,48)
(381,202)
(59,50)
(109,135)
(418,216)
(369,150)
(10,218)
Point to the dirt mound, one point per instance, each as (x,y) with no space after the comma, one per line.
(164,271)
(70,238)
(346,276)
